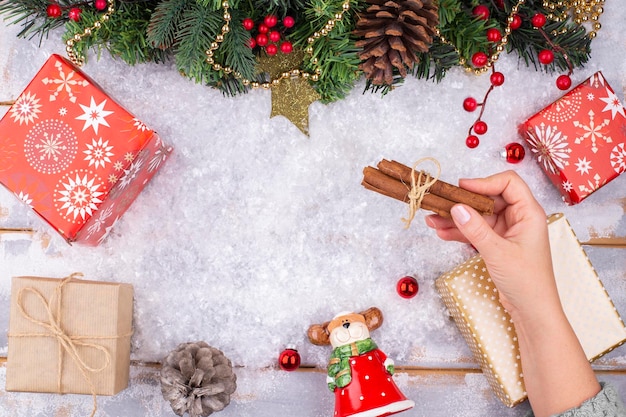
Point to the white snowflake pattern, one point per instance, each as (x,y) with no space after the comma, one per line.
(112,178)
(583,166)
(64,82)
(62,111)
(591,97)
(590,187)
(139,125)
(26,198)
(107,230)
(94,115)
(133,171)
(25,109)
(99,221)
(612,104)
(80,196)
(593,132)
(159,156)
(618,158)
(551,147)
(98,153)
(118,166)
(51,147)
(567,186)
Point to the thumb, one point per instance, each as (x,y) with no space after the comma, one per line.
(475,229)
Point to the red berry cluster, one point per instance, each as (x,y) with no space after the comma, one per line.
(546,56)
(55,10)
(268,36)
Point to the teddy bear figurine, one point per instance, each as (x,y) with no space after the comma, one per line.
(359,373)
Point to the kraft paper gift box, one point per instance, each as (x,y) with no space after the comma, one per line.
(472,300)
(90,356)
(73,154)
(580,140)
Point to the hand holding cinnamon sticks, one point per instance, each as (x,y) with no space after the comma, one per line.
(395,180)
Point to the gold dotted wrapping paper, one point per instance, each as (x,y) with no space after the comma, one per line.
(472,300)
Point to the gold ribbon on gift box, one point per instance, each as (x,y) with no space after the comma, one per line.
(67,343)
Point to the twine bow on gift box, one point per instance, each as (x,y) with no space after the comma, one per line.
(67,343)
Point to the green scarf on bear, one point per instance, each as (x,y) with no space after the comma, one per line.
(339,363)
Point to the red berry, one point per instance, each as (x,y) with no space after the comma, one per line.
(248,23)
(479,59)
(74,14)
(517,22)
(100,4)
(261,39)
(470,104)
(497,79)
(481,12)
(289,21)
(514,153)
(286,47)
(563,82)
(274,36)
(270,20)
(480,127)
(271,49)
(251,43)
(546,56)
(494,35)
(263,28)
(538,20)
(53,10)
(472,141)
(500,4)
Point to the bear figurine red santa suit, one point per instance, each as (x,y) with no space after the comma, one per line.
(359,373)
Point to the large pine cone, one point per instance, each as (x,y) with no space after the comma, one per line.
(197,379)
(393,31)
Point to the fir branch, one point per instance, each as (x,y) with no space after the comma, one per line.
(234,51)
(164,23)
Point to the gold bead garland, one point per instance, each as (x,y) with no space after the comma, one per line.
(77,59)
(581,11)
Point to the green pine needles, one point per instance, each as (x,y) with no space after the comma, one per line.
(183,31)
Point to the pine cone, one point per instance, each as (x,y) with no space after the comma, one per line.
(393,31)
(197,379)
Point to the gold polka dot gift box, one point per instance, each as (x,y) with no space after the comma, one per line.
(472,300)
(73,154)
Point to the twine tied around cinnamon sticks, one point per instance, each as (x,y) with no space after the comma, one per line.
(67,343)
(421,190)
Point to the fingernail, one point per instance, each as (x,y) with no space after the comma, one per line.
(430,223)
(460,214)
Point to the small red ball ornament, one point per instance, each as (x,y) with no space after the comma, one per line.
(270,21)
(470,104)
(286,47)
(74,14)
(516,23)
(564,82)
(480,127)
(497,79)
(479,59)
(494,35)
(538,20)
(407,287)
(274,36)
(271,49)
(100,4)
(289,21)
(263,28)
(248,24)
(261,39)
(472,141)
(514,153)
(289,359)
(53,10)
(546,56)
(500,4)
(481,12)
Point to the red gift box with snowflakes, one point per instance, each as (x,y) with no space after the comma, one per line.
(580,139)
(73,154)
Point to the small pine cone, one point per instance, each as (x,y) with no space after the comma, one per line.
(391,33)
(197,379)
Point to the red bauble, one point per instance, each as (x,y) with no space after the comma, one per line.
(480,127)
(251,43)
(263,28)
(500,4)
(289,21)
(286,47)
(514,153)
(274,36)
(53,10)
(74,14)
(248,23)
(516,23)
(481,11)
(538,20)
(472,141)
(100,4)
(271,49)
(494,35)
(470,104)
(270,20)
(479,59)
(546,56)
(497,79)
(289,359)
(563,82)
(407,287)
(261,39)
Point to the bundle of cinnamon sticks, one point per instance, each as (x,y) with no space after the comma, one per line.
(393,179)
